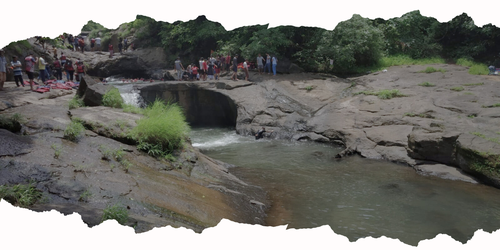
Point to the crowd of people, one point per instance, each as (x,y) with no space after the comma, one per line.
(210,68)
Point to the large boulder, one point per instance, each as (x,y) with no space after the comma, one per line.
(433,146)
(91,91)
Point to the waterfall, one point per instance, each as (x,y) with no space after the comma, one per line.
(130,95)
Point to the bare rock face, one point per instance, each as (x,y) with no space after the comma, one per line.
(437,146)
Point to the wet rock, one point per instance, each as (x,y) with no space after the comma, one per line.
(12,144)
(443,171)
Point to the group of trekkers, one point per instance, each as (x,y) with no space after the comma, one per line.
(60,65)
(211,68)
(78,44)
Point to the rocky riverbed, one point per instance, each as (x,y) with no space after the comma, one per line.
(442,123)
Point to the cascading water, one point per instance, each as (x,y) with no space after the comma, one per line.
(130,95)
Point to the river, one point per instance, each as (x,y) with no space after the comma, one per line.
(356,197)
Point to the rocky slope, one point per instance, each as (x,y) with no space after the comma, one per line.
(453,121)
(87,176)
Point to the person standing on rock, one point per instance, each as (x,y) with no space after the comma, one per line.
(205,69)
(58,68)
(260,63)
(30,63)
(179,68)
(120,46)
(75,44)
(228,62)
(245,69)
(268,64)
(125,44)
(3,69)
(92,44)
(110,48)
(17,68)
(275,62)
(210,70)
(98,43)
(41,69)
(63,59)
(69,70)
(80,70)
(235,68)
(195,72)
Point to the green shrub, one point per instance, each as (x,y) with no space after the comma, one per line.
(115,212)
(23,195)
(479,69)
(427,84)
(458,89)
(474,68)
(162,130)
(74,130)
(465,62)
(76,102)
(112,98)
(432,70)
(129,108)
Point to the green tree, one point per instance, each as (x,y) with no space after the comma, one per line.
(355,42)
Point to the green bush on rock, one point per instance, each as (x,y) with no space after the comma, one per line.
(162,130)
(74,130)
(112,98)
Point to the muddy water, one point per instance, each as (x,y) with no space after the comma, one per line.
(356,197)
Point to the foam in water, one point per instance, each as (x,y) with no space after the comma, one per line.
(228,138)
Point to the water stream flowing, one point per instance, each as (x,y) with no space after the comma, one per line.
(356,197)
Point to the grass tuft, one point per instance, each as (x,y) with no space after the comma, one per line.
(112,98)
(76,102)
(432,70)
(23,195)
(427,84)
(74,131)
(383,94)
(458,89)
(115,212)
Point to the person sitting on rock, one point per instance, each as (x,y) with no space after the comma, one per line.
(260,133)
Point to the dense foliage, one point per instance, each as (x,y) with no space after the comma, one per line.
(353,45)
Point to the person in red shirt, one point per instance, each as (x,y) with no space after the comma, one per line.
(228,62)
(195,72)
(110,48)
(80,70)
(58,68)
(205,69)
(69,70)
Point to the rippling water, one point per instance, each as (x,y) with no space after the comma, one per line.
(356,197)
